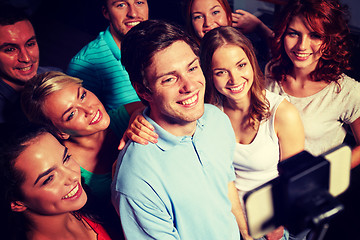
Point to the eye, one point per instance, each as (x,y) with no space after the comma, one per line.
(196,17)
(31,44)
(219,73)
(242,65)
(140,2)
(120,5)
(192,69)
(83,95)
(168,80)
(71,116)
(67,158)
(215,12)
(315,36)
(292,34)
(9,49)
(48,180)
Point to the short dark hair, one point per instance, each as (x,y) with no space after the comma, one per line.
(143,41)
(10,15)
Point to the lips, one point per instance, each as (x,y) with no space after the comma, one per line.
(97,118)
(237,89)
(190,101)
(132,24)
(26,69)
(302,56)
(74,193)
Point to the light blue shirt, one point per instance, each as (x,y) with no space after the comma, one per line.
(178,188)
(98,65)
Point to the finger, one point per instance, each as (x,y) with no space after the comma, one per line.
(138,128)
(144,122)
(240,11)
(122,144)
(146,135)
(138,139)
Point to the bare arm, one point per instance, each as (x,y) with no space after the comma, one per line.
(355,156)
(237,211)
(248,23)
(289,129)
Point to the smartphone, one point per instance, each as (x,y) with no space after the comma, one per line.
(262,204)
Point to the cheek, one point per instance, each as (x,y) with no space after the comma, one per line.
(198,28)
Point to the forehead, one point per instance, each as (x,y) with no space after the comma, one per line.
(228,53)
(204,4)
(16,33)
(62,98)
(171,59)
(39,155)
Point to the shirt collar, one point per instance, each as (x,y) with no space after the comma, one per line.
(112,44)
(166,140)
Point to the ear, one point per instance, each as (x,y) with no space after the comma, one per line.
(105,12)
(18,206)
(142,92)
(63,136)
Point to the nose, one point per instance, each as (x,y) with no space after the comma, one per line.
(208,21)
(232,78)
(303,42)
(24,56)
(88,109)
(188,85)
(70,176)
(132,13)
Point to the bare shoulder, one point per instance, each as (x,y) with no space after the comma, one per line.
(286,113)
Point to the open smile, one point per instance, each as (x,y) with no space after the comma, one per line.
(96,118)
(74,193)
(237,89)
(190,101)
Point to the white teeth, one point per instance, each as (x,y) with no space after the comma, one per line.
(72,193)
(96,117)
(302,54)
(132,23)
(25,69)
(190,101)
(238,87)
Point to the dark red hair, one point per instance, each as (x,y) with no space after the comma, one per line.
(326,18)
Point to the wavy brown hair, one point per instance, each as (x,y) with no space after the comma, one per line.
(327,19)
(218,37)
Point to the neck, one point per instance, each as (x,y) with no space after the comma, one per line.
(92,141)
(49,226)
(17,86)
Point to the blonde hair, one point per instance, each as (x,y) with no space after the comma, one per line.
(36,91)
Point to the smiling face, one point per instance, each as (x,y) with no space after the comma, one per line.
(124,15)
(52,178)
(177,87)
(19,53)
(233,74)
(78,111)
(207,15)
(302,45)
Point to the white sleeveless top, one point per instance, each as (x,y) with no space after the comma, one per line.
(256,163)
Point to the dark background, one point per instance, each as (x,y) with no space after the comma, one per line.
(64,27)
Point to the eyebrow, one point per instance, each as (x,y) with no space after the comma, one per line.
(241,60)
(6,44)
(173,72)
(209,9)
(47,172)
(69,109)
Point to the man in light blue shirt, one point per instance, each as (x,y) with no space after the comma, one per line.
(181,187)
(98,64)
